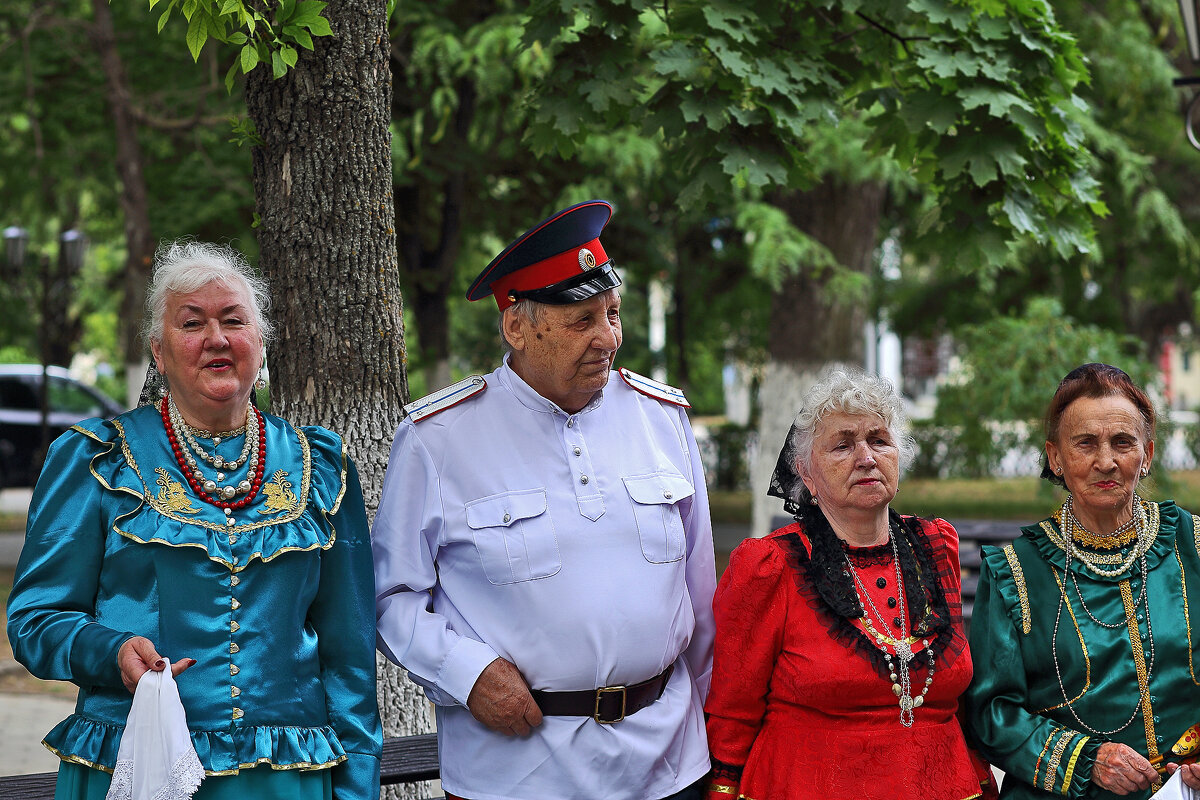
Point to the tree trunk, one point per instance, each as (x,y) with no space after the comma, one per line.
(139,240)
(810,327)
(323,189)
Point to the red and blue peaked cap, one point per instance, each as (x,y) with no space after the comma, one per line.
(558,261)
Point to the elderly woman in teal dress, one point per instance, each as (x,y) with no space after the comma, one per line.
(1085,671)
(200,530)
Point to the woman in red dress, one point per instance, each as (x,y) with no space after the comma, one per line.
(840,655)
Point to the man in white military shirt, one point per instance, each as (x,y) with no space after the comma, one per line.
(543,551)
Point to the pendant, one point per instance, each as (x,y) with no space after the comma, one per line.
(906,703)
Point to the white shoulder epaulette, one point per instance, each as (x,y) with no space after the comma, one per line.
(652,388)
(442,399)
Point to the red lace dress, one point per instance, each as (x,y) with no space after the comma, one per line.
(801,705)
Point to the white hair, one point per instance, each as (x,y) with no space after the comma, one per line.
(846,390)
(184,266)
(531,310)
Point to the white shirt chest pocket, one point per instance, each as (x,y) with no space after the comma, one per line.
(514,536)
(656,510)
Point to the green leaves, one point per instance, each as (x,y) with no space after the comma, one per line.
(261,33)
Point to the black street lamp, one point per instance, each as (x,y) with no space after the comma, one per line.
(1190,11)
(54,285)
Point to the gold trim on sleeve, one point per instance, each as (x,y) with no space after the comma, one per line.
(1022,592)
(1066,783)
(1037,765)
(1052,764)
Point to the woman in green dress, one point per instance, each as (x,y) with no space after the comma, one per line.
(197,529)
(1081,632)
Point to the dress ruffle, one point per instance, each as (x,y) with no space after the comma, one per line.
(318,458)
(95,744)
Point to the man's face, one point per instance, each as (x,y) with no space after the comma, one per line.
(565,357)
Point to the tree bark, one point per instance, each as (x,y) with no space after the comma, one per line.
(810,327)
(139,239)
(323,188)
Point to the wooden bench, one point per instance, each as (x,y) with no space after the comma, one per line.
(406,759)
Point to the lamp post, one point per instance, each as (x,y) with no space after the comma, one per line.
(53,284)
(1190,11)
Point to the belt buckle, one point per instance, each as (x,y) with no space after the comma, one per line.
(600,695)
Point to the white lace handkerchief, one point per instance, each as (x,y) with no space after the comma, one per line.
(156,760)
(1176,789)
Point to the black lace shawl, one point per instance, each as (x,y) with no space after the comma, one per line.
(823,580)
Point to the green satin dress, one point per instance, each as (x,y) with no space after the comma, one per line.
(1041,705)
(276,608)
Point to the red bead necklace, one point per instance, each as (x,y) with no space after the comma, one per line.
(255,480)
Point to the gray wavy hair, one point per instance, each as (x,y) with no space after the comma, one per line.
(184,266)
(846,390)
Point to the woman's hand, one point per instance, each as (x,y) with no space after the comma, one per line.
(1120,769)
(138,656)
(1191,773)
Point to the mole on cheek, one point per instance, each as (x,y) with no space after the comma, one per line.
(539,336)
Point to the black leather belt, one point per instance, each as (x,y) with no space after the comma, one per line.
(606,705)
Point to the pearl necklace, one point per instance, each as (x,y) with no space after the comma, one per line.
(190,434)
(1146,534)
(901,678)
(204,487)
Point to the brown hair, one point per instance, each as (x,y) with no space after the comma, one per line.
(1093,380)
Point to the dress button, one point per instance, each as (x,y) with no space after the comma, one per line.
(233,648)
(891,602)
(583,479)
(668,495)
(570,423)
(232,539)
(234,580)
(234,604)
(237,713)
(234,627)
(1139,617)
(233,669)
(576,450)
(234,691)
(896,621)
(507,518)
(234,561)
(881,583)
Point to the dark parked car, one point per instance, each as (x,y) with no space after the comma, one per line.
(21,415)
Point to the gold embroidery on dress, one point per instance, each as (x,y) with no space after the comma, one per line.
(1139,663)
(278,494)
(1022,593)
(171,493)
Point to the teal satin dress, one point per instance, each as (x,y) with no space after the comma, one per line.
(1035,696)
(277,608)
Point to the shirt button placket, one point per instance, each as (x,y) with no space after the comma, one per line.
(234,627)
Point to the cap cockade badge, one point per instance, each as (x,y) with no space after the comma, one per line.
(586,260)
